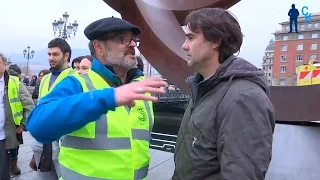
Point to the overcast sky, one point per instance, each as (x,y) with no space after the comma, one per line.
(30,23)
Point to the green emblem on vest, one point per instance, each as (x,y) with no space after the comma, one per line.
(14,92)
(142,115)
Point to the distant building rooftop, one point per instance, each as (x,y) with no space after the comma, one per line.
(270,46)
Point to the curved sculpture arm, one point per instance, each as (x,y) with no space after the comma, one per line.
(162,35)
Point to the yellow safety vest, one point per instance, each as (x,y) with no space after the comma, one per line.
(14,99)
(44,84)
(114,147)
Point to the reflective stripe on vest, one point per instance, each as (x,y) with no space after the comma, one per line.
(106,143)
(138,115)
(44,84)
(14,99)
(74,175)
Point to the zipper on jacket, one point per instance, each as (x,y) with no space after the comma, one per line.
(194,141)
(192,93)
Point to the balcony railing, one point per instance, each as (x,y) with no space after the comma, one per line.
(267,63)
(299,29)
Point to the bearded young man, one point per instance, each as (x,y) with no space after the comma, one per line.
(46,154)
(105,115)
(227,130)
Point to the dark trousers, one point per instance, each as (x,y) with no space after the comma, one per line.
(14,153)
(4,161)
(295,21)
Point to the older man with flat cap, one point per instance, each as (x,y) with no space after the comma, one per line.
(104,117)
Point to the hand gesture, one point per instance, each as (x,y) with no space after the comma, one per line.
(127,94)
(19,130)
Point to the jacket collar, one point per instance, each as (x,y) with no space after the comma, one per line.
(56,72)
(6,78)
(108,72)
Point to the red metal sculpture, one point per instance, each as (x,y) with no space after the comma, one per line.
(162,37)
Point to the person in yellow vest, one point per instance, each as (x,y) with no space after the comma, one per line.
(15,105)
(105,115)
(14,70)
(46,153)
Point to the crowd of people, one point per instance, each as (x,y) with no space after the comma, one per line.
(81,64)
(45,158)
(93,120)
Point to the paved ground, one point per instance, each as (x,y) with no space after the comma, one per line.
(296,156)
(161,165)
(25,154)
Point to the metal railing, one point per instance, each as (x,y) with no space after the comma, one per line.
(173,96)
(170,96)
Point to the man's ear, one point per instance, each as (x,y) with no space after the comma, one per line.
(67,55)
(216,44)
(98,46)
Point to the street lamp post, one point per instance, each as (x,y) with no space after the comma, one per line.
(65,31)
(28,55)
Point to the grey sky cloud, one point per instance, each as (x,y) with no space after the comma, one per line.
(24,23)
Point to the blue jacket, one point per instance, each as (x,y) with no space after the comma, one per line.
(66,108)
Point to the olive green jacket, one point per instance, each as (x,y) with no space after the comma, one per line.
(13,139)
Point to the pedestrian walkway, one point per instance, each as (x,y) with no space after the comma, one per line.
(295,156)
(161,165)
(24,157)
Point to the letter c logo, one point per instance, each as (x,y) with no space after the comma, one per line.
(304,7)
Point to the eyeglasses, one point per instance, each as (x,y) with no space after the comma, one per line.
(126,40)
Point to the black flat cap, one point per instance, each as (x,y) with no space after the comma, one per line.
(15,68)
(103,26)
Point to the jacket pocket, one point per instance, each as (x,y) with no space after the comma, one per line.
(204,151)
(202,143)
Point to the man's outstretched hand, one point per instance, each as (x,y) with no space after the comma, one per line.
(127,94)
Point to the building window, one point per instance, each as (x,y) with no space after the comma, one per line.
(283,69)
(283,58)
(313,57)
(314,46)
(269,74)
(299,58)
(284,48)
(299,47)
(282,82)
(287,28)
(315,35)
(309,25)
(269,67)
(316,25)
(285,38)
(300,36)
